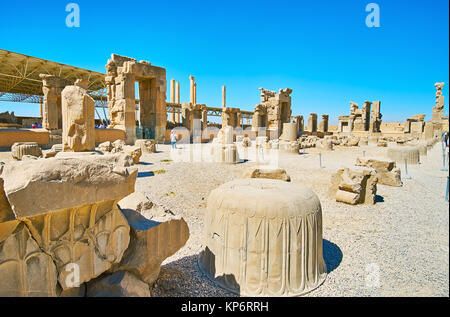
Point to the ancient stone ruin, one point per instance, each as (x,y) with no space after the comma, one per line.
(273,227)
(274,110)
(122,74)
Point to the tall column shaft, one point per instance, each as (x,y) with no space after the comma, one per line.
(195,94)
(177,93)
(191,86)
(172,90)
(224,97)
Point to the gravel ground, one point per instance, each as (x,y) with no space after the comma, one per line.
(403,239)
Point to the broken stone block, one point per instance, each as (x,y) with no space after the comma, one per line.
(87,179)
(25,269)
(93,236)
(401,153)
(151,242)
(246,142)
(105,146)
(263,237)
(382,143)
(224,153)
(19,149)
(363,142)
(387,172)
(118,284)
(289,147)
(49,153)
(147,146)
(354,186)
(277,173)
(134,151)
(353,141)
(78,112)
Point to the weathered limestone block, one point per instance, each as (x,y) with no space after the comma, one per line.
(78,112)
(372,140)
(69,209)
(289,147)
(93,236)
(6,213)
(118,146)
(246,142)
(147,146)
(290,131)
(263,237)
(382,143)
(357,186)
(38,187)
(363,142)
(48,153)
(277,173)
(134,151)
(19,149)
(25,269)
(399,154)
(387,172)
(152,241)
(325,144)
(29,158)
(224,153)
(118,284)
(353,141)
(105,146)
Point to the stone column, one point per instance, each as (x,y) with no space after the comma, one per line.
(224,97)
(204,119)
(312,122)
(195,93)
(177,93)
(51,112)
(323,125)
(172,90)
(191,86)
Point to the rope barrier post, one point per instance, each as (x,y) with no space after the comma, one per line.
(320,160)
(406,170)
(446,194)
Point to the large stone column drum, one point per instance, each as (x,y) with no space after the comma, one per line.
(264,238)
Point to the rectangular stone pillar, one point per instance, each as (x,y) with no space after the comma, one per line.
(323,125)
(78,132)
(312,122)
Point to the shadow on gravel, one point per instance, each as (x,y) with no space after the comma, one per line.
(379,199)
(145,174)
(332,255)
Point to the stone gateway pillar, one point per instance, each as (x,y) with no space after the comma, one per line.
(52,87)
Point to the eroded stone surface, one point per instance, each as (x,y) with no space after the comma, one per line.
(72,182)
(151,242)
(277,173)
(78,112)
(387,172)
(19,149)
(118,284)
(354,186)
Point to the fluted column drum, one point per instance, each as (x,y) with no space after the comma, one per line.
(264,238)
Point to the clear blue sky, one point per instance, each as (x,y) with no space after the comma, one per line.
(323,50)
